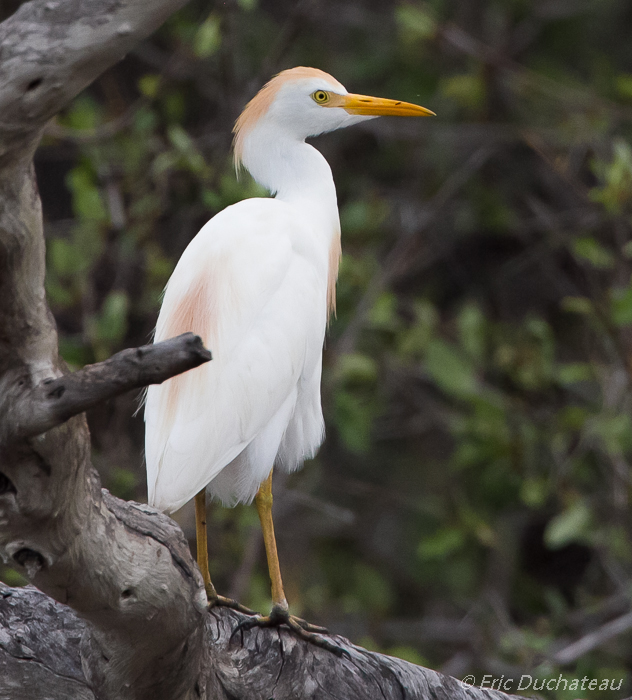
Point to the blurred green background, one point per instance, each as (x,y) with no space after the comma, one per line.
(469,509)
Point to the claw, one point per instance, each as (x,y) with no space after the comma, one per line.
(302,629)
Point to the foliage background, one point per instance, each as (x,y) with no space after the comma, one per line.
(470,507)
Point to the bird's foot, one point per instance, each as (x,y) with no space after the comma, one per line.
(215,600)
(301,628)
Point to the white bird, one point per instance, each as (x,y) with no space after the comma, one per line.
(257,284)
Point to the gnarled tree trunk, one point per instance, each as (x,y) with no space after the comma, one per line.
(121,609)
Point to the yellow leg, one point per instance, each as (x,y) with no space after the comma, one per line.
(279,614)
(202,543)
(263,501)
(202,558)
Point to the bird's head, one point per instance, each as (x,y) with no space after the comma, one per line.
(302,102)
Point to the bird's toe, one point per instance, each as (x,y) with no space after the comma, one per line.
(221,601)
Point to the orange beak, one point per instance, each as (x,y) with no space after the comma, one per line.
(377,106)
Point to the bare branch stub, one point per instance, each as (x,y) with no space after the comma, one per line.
(53,401)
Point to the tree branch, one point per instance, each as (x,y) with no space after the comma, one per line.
(52,50)
(54,401)
(262,663)
(592,640)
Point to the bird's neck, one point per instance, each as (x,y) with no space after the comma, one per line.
(293,170)
(299,175)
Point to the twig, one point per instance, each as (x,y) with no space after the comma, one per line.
(99,133)
(593,640)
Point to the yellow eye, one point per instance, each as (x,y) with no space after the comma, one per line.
(320,96)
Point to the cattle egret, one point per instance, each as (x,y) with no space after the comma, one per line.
(257,284)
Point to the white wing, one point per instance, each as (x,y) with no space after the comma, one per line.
(252,284)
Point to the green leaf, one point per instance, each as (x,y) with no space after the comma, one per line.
(145,120)
(211,199)
(159,267)
(163,162)
(65,258)
(589,249)
(621,306)
(467,89)
(149,84)
(108,328)
(573,417)
(616,192)
(623,85)
(383,314)
(122,483)
(190,158)
(353,416)
(84,113)
(577,305)
(11,577)
(534,492)
(86,198)
(59,297)
(450,369)
(363,219)
(180,139)
(570,525)
(174,106)
(74,351)
(414,341)
(233,190)
(373,589)
(208,37)
(441,544)
(615,431)
(356,369)
(409,654)
(113,322)
(472,331)
(416,22)
(573,372)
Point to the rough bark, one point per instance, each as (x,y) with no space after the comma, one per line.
(120,612)
(42,660)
